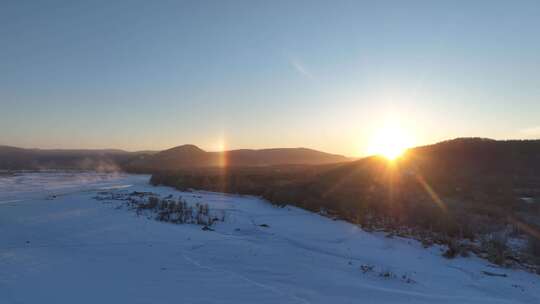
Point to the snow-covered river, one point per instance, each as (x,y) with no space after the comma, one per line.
(60,245)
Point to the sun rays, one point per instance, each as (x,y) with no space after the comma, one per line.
(390,141)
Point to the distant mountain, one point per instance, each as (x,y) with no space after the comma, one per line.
(190,156)
(186,156)
(12,158)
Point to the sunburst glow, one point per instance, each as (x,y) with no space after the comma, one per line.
(391,141)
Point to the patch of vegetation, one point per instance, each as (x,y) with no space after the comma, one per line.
(168,209)
(497,249)
(386,273)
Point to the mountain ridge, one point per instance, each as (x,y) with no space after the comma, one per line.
(190,156)
(182,156)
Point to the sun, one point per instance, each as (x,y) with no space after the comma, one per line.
(391,141)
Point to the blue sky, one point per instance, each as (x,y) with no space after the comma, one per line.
(253,74)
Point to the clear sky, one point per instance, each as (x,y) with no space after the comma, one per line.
(140,75)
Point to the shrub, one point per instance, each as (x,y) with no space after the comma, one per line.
(387,274)
(367,268)
(151,204)
(496,248)
(452,251)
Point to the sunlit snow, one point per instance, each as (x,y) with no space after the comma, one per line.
(60,245)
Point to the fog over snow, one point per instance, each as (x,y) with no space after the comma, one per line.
(58,244)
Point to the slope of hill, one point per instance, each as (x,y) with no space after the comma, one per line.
(190,156)
(482,156)
(258,254)
(464,189)
(462,168)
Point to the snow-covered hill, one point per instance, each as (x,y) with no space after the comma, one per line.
(60,245)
